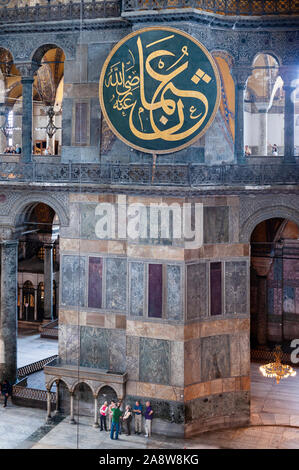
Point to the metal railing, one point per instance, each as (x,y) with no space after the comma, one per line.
(50,330)
(56,11)
(221,7)
(35,366)
(189,175)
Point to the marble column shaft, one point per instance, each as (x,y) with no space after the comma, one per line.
(263,133)
(262,313)
(48,280)
(8,310)
(289,123)
(27,83)
(239,122)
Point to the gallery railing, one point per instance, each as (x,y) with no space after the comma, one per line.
(56,11)
(190,175)
(34,366)
(222,7)
(50,330)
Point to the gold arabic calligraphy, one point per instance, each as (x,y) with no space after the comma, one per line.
(123,81)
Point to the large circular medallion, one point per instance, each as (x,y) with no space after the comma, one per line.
(159,90)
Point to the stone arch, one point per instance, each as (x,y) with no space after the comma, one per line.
(21,204)
(49,384)
(266,213)
(79,382)
(105,389)
(267,52)
(40,51)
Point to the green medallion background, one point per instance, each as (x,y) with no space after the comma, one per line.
(181,90)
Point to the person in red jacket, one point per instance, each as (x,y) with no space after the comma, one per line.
(103,414)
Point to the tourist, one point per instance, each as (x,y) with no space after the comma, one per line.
(127,419)
(148,415)
(6,390)
(137,410)
(18,149)
(247,151)
(120,406)
(116,416)
(274,150)
(111,406)
(103,414)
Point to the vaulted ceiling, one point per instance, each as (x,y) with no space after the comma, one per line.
(46,81)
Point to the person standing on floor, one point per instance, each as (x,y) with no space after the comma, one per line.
(137,410)
(127,419)
(111,406)
(116,416)
(148,415)
(103,414)
(6,390)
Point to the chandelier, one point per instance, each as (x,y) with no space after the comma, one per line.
(277,369)
(50,128)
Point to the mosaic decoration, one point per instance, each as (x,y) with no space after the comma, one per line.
(159,90)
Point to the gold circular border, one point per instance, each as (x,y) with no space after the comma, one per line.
(217,102)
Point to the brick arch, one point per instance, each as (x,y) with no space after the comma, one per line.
(263,214)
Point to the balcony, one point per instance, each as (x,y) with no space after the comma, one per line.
(56,11)
(252,173)
(220,7)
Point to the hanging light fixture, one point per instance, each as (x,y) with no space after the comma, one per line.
(50,128)
(276,369)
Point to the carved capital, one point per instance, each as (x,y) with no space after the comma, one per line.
(6,233)
(240,75)
(27,70)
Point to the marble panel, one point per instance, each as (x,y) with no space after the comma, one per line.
(136,289)
(174,293)
(154,361)
(73,280)
(196,291)
(236,285)
(215,357)
(116,284)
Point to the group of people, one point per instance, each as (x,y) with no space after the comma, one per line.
(274,150)
(13,149)
(117,418)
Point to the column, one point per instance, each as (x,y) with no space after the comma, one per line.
(27,72)
(72,420)
(48,281)
(35,304)
(57,409)
(240,75)
(8,310)
(262,313)
(288,74)
(21,304)
(263,139)
(49,417)
(96,420)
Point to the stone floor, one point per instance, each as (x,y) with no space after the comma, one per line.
(274,418)
(31,347)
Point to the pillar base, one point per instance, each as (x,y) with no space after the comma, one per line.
(72,421)
(95,425)
(49,420)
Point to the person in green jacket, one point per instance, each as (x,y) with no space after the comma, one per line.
(116,416)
